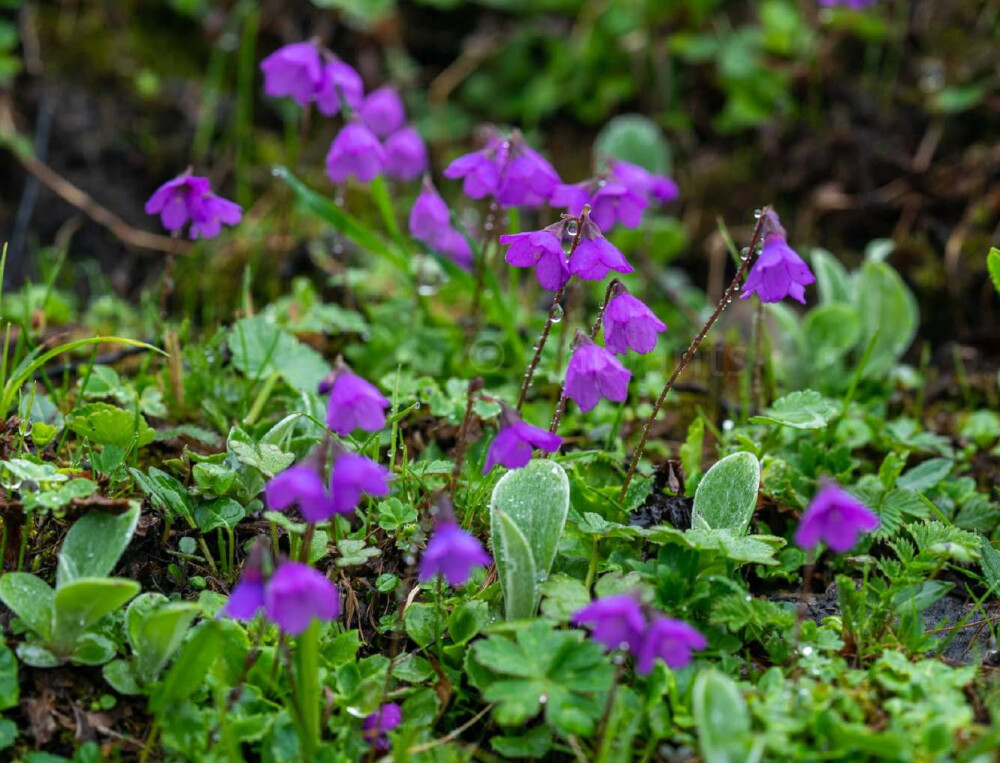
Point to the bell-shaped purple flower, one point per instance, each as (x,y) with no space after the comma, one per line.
(779,272)
(376,726)
(572,197)
(247,597)
(455,246)
(616,621)
(528,180)
(479,171)
(353,475)
(340,85)
(616,203)
(355,151)
(642,181)
(295,71)
(383,112)
(429,216)
(189,198)
(541,250)
(514,443)
(671,640)
(296,594)
(593,373)
(452,553)
(355,404)
(405,154)
(300,485)
(629,324)
(595,255)
(836,518)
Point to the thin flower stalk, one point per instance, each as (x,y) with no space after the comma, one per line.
(689,353)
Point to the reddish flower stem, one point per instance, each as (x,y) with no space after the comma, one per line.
(724,301)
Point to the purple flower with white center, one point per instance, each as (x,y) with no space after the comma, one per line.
(296,594)
(452,553)
(455,246)
(541,250)
(376,726)
(616,621)
(189,198)
(405,154)
(355,404)
(779,272)
(383,112)
(340,85)
(836,518)
(353,475)
(429,216)
(516,440)
(528,180)
(355,151)
(616,203)
(629,324)
(300,485)
(644,182)
(671,640)
(595,255)
(593,373)
(295,71)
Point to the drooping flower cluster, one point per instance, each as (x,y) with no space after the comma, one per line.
(593,373)
(351,476)
(628,323)
(307,74)
(430,223)
(508,170)
(619,622)
(619,195)
(451,551)
(779,272)
(189,199)
(836,518)
(291,597)
(354,402)
(514,443)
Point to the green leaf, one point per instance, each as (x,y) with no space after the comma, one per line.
(218,513)
(10,690)
(94,544)
(8,733)
(636,139)
(355,552)
(16,471)
(61,496)
(156,628)
(993,265)
(261,348)
(80,603)
(832,281)
(165,493)
(106,424)
(92,649)
(991,564)
(722,719)
(467,619)
(515,566)
(727,494)
(393,514)
(535,743)
(830,332)
(888,309)
(806,409)
(420,622)
(562,596)
(189,670)
(923,477)
(121,676)
(266,457)
(535,500)
(31,599)
(691,454)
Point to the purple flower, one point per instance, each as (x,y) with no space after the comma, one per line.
(300,485)
(573,197)
(616,621)
(541,250)
(295,71)
(355,404)
(247,597)
(353,475)
(190,198)
(670,640)
(515,441)
(629,324)
(452,552)
(429,217)
(481,176)
(405,154)
(355,151)
(615,202)
(779,272)
(455,246)
(296,594)
(529,180)
(340,84)
(593,373)
(383,111)
(375,726)
(836,518)
(595,255)
(644,182)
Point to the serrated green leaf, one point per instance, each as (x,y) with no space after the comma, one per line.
(106,424)
(806,409)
